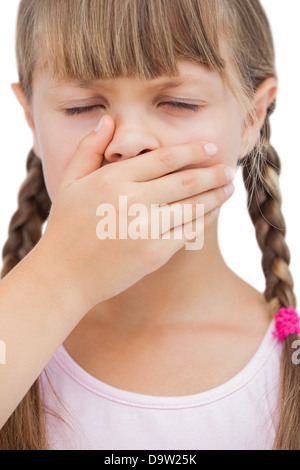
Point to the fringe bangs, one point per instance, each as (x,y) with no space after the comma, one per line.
(89,40)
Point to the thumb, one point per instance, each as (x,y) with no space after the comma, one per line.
(89,154)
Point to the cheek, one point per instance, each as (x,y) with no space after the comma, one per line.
(221,125)
(53,168)
(56,155)
(230,141)
(57,140)
(230,125)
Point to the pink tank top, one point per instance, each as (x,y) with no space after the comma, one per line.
(237,415)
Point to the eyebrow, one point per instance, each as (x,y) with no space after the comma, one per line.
(100,84)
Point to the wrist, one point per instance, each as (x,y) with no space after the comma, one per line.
(51,272)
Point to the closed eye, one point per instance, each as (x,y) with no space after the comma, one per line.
(80,110)
(174,104)
(182,105)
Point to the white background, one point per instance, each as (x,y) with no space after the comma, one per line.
(237,236)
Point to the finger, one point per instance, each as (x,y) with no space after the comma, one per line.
(165,160)
(177,238)
(187,183)
(191,208)
(89,154)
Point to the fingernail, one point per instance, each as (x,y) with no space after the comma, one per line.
(215,212)
(99,125)
(211,149)
(230,173)
(229,189)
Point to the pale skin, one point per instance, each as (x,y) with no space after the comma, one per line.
(166,334)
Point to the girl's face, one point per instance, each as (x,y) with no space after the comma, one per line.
(146,115)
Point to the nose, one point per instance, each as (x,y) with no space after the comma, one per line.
(128,142)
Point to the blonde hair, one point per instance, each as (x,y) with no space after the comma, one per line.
(88,40)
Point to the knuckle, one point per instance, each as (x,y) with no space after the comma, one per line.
(107,179)
(189,181)
(166,158)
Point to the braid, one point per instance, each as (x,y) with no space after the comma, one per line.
(25,430)
(261,178)
(26,224)
(261,171)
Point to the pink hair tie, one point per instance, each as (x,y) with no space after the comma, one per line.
(287,323)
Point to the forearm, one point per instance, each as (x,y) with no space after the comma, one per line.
(38,310)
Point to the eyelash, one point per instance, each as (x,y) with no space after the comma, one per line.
(175,104)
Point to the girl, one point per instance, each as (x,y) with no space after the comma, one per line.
(139,343)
